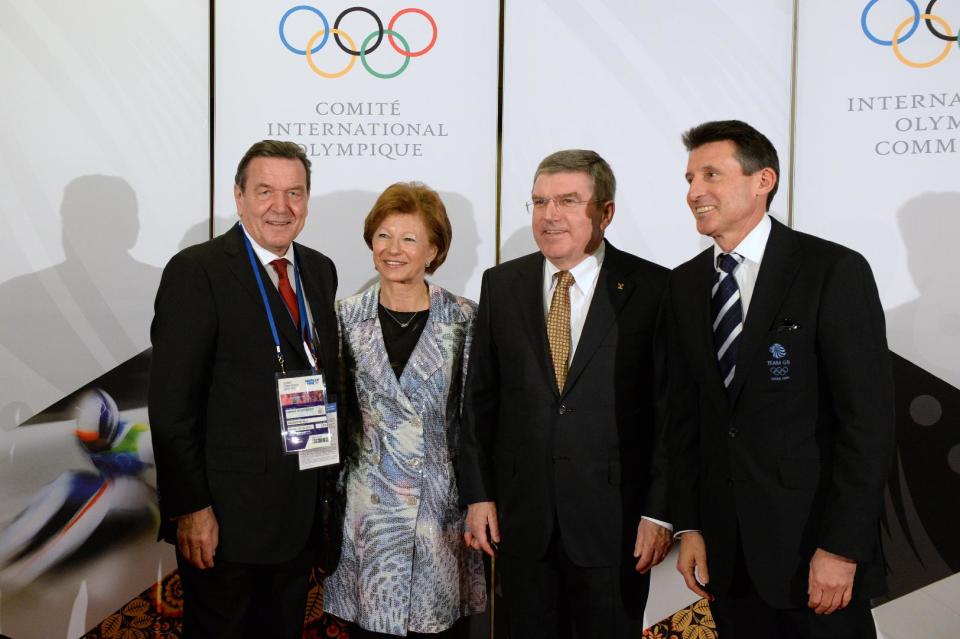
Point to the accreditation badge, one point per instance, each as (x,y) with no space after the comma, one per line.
(305,416)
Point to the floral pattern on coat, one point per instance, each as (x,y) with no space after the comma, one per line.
(404,566)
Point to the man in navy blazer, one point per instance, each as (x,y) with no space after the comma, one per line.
(561,460)
(245,519)
(781,428)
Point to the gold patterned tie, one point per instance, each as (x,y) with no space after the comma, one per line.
(558,327)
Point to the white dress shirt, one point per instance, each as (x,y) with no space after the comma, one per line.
(751,249)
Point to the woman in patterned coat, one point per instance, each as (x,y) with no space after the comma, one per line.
(404,568)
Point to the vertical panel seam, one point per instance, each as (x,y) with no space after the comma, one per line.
(499,180)
(793,112)
(211,115)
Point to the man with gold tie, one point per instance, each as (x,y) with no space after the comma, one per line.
(561,461)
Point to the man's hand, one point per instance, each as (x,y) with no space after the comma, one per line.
(830,582)
(653,544)
(692,563)
(197,537)
(481,516)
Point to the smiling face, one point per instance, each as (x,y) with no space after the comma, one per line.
(726,204)
(401,248)
(273,203)
(567,235)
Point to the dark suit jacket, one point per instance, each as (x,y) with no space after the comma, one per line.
(796,458)
(213,407)
(583,458)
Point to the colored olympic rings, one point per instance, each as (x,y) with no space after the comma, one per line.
(406,59)
(323,74)
(899,37)
(369,44)
(408,53)
(922,65)
(379,31)
(291,11)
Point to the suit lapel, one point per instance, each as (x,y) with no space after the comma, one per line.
(611,293)
(777,272)
(528,291)
(240,263)
(700,290)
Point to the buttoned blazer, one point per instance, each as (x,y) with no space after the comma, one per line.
(213,409)
(796,455)
(582,458)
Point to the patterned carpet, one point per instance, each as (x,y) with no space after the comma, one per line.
(157,613)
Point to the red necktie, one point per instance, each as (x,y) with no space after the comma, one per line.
(286,291)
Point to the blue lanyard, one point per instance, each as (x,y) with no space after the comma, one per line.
(304,327)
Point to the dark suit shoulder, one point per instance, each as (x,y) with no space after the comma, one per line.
(820,249)
(308,254)
(515,266)
(634,265)
(201,252)
(694,264)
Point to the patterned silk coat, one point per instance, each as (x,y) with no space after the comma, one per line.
(404,566)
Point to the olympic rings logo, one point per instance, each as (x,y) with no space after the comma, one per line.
(779,371)
(369,44)
(910,25)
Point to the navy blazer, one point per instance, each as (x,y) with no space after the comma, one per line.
(796,455)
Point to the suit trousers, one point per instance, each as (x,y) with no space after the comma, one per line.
(237,600)
(741,612)
(551,597)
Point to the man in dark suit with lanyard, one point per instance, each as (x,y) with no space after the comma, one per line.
(231,314)
(561,461)
(781,427)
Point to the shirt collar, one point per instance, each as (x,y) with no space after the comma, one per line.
(752,246)
(266,256)
(584,271)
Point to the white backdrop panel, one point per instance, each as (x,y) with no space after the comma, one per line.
(435,122)
(104,168)
(878,155)
(626,79)
(104,173)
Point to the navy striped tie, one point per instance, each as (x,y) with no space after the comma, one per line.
(727,315)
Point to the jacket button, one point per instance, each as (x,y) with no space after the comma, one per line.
(733,432)
(563,409)
(374,499)
(412,501)
(414,463)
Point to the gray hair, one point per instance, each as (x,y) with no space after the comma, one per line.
(271,149)
(582,161)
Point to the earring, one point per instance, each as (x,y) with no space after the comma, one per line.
(428,263)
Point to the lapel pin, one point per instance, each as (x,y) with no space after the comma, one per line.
(619,286)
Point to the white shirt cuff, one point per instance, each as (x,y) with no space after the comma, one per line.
(677,534)
(659,523)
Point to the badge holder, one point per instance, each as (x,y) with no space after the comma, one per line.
(308,418)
